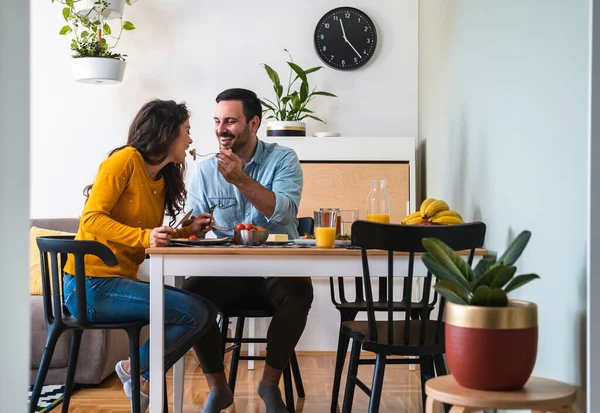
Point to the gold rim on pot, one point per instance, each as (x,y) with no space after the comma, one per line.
(518,314)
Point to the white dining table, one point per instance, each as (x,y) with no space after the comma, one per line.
(171,265)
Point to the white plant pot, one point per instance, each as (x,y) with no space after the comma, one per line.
(113,11)
(286,128)
(98,70)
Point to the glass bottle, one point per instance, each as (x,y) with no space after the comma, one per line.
(378,202)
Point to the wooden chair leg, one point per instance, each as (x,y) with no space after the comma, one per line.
(235,358)
(288,389)
(53,336)
(433,406)
(351,378)
(377,385)
(297,376)
(71,367)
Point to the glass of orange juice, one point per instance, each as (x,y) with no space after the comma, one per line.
(325,226)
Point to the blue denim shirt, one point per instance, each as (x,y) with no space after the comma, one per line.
(275,167)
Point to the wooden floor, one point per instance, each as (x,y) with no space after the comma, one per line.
(401,389)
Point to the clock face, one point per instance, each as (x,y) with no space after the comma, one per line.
(345,38)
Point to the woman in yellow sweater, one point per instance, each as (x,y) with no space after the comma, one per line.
(125,210)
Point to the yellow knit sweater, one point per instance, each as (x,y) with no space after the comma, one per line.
(124,205)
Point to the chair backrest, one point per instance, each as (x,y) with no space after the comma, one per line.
(51,247)
(306,225)
(408,239)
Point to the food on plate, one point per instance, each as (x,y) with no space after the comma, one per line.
(277,238)
(193,238)
(193,153)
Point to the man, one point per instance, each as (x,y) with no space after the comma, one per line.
(250,181)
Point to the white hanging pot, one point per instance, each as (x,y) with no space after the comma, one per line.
(113,11)
(286,128)
(98,70)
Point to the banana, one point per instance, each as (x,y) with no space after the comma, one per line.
(413,220)
(435,207)
(449,213)
(425,204)
(446,220)
(413,215)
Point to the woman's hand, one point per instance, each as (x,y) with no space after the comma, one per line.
(160,236)
(202,224)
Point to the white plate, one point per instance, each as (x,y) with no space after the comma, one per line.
(338,243)
(201,241)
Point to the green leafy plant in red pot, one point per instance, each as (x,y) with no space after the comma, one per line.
(491,341)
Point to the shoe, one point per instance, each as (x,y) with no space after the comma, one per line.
(144,398)
(121,372)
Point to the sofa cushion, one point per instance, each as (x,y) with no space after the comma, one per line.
(35,272)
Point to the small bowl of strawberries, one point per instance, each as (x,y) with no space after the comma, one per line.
(249,234)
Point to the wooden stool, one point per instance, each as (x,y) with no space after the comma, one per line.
(539,395)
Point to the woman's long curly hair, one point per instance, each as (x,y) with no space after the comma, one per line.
(152,132)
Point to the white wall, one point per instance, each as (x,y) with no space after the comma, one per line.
(190,50)
(503,104)
(14,204)
(593,287)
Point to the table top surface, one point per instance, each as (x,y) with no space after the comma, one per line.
(274,251)
(537,392)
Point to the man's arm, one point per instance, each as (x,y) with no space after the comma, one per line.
(259,196)
(279,205)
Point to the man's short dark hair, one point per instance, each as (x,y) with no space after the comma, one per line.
(250,102)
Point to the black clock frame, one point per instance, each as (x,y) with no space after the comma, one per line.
(348,50)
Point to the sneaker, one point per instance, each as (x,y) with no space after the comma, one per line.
(144,398)
(122,373)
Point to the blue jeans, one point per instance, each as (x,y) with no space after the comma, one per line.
(112,299)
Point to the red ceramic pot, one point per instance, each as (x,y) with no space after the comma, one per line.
(491,348)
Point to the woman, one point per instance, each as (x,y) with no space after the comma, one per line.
(125,209)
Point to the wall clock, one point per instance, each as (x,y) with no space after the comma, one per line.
(345,38)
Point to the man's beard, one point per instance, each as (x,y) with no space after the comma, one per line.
(236,139)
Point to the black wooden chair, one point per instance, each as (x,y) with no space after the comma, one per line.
(59,319)
(422,337)
(349,309)
(259,309)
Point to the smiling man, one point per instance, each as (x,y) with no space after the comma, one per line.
(250,181)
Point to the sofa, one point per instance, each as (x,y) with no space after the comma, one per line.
(100,349)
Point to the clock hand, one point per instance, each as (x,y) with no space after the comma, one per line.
(353,48)
(343,32)
(346,39)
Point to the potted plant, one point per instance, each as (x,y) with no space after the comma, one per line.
(491,341)
(285,113)
(94,60)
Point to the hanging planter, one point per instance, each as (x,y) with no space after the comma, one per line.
(94,59)
(91,10)
(286,128)
(98,70)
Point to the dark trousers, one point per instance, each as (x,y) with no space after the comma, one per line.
(289,298)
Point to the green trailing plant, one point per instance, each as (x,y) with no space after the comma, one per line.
(91,30)
(291,100)
(487,284)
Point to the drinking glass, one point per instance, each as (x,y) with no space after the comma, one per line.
(325,223)
(347,217)
(338,224)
